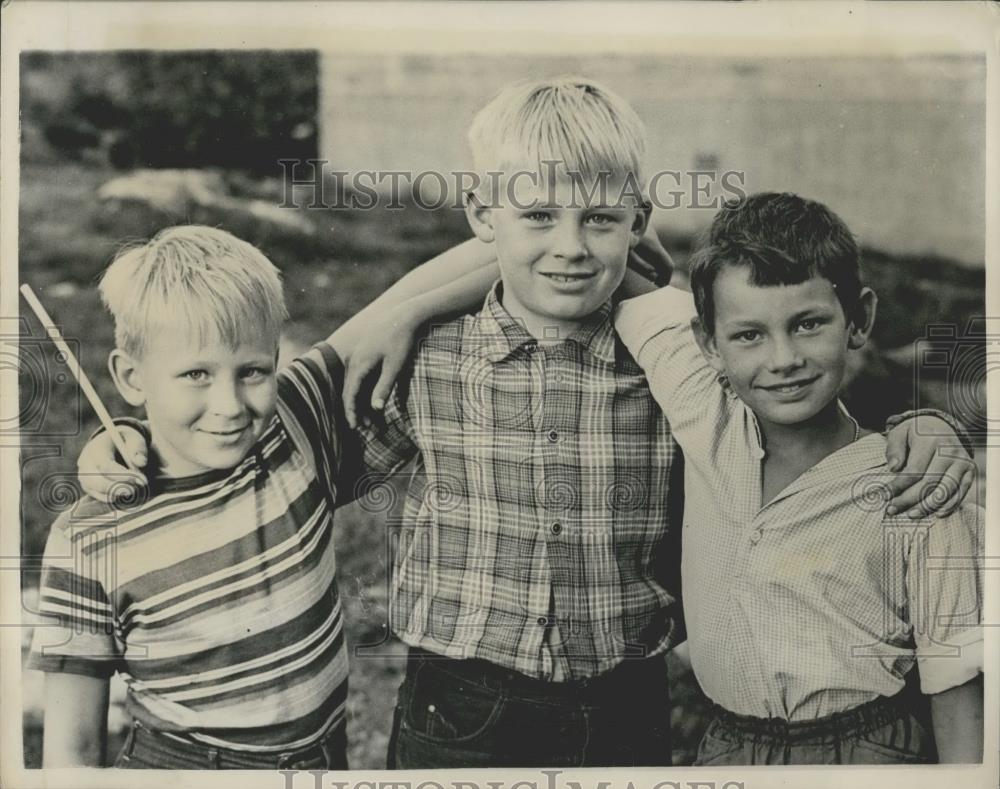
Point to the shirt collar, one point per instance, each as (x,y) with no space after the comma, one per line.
(862,461)
(499,334)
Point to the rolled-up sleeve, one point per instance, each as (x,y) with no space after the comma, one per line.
(944,583)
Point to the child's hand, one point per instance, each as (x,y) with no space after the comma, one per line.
(102,474)
(938,472)
(651,259)
(388,350)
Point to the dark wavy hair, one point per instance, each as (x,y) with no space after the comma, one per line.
(783,239)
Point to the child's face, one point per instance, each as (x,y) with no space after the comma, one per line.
(783,348)
(561,256)
(207,406)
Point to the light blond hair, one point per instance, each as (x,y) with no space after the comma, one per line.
(575,121)
(213,285)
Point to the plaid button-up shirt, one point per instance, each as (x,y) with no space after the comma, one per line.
(813,602)
(542,501)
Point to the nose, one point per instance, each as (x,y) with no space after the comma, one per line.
(569,243)
(785,355)
(226,399)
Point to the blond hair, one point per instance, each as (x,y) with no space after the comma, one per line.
(582,125)
(216,286)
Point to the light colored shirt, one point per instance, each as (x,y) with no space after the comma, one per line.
(537,529)
(815,602)
(216,598)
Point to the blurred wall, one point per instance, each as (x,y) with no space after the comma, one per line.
(896,146)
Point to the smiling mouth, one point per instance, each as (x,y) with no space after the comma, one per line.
(567,278)
(792,386)
(226,433)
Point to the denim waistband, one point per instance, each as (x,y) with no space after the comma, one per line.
(625,675)
(866,717)
(212,757)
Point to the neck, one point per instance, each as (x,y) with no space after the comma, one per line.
(812,440)
(549,330)
(546,329)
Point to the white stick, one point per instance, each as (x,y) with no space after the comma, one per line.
(78,373)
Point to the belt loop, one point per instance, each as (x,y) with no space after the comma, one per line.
(214,758)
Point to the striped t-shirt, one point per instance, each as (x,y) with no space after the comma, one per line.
(216,598)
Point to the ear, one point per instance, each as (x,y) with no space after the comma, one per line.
(125,373)
(641,223)
(480,218)
(709,348)
(860,327)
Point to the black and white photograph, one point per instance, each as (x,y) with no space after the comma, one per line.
(555,394)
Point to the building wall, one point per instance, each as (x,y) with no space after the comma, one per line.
(896,146)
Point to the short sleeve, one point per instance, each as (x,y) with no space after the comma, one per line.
(310,394)
(77,633)
(944,590)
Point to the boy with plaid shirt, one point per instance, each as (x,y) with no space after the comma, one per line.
(533,578)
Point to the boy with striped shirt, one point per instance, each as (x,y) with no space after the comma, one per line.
(215,596)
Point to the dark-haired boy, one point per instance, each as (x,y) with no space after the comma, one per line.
(805,605)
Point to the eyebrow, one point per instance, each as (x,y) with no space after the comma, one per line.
(202,362)
(811,310)
(741,323)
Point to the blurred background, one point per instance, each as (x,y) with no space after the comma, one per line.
(117,145)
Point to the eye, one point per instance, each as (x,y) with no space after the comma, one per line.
(538,217)
(810,324)
(256,373)
(195,376)
(747,335)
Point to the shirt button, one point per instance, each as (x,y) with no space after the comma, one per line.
(556,527)
(755,536)
(542,621)
(553,436)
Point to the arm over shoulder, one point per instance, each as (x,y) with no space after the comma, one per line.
(656,328)
(310,396)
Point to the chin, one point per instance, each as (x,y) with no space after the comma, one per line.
(790,416)
(575,310)
(226,458)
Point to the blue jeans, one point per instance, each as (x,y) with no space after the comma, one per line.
(883,731)
(471,713)
(145,749)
